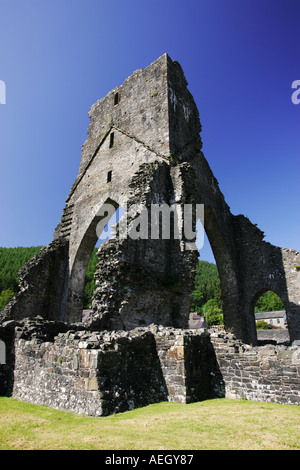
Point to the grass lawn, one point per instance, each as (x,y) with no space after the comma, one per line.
(208,425)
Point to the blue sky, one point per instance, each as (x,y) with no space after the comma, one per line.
(240,58)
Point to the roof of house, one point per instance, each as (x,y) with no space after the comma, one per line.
(196,321)
(269,315)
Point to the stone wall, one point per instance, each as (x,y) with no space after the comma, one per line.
(100,373)
(273,336)
(86,372)
(143,148)
(269,373)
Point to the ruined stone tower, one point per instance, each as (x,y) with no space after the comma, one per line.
(144,148)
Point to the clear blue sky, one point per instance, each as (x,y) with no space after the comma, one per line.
(240,57)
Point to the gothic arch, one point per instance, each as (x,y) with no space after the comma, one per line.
(82,256)
(147,147)
(226,268)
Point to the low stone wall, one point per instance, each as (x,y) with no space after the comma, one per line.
(275,336)
(87,372)
(109,372)
(269,373)
(100,373)
(184,359)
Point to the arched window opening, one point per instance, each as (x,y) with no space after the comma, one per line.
(270,318)
(95,234)
(107,233)
(207,305)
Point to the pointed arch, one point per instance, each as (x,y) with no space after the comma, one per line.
(82,256)
(226,269)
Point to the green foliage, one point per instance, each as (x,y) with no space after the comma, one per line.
(207,285)
(89,280)
(5,297)
(263,325)
(207,293)
(213,313)
(11,261)
(269,302)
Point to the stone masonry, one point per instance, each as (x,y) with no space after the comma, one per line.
(103,372)
(143,148)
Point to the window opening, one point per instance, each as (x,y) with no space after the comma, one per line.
(90,283)
(111,140)
(270,315)
(109,173)
(207,306)
(116,99)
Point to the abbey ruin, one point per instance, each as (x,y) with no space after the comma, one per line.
(143,149)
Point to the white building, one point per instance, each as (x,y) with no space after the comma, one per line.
(275,319)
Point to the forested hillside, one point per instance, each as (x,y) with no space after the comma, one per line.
(11,261)
(206,294)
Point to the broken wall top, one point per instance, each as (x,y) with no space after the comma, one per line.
(152,106)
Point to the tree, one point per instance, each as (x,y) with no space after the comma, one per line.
(11,261)
(5,297)
(269,302)
(207,284)
(213,313)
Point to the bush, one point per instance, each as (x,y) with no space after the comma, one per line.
(213,313)
(263,325)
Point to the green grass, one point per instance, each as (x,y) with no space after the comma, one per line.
(212,424)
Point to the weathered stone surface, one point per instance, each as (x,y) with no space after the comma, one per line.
(266,373)
(143,148)
(145,136)
(99,373)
